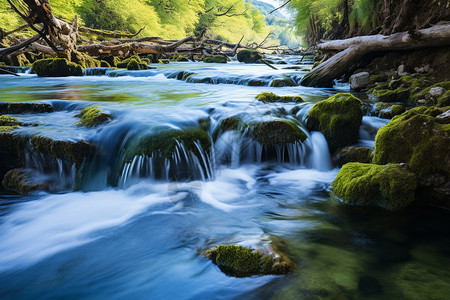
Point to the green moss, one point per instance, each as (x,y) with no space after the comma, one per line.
(216,59)
(276,132)
(166,141)
(281,82)
(8,121)
(397,110)
(315,64)
(163,61)
(387,110)
(56,67)
(8,128)
(239,261)
(388,186)
(249,56)
(444,100)
(338,118)
(133,65)
(353,154)
(398,95)
(92,116)
(271,97)
(378,78)
(116,61)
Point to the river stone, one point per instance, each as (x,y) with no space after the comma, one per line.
(25,108)
(436,92)
(276,132)
(359,81)
(24,181)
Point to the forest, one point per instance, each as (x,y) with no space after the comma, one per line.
(225,149)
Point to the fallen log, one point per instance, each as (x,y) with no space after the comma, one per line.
(353,49)
(17,47)
(106,33)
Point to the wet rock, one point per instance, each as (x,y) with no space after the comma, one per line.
(133,64)
(216,59)
(387,186)
(249,56)
(387,110)
(353,154)
(56,67)
(11,152)
(436,92)
(74,152)
(359,81)
(420,139)
(338,118)
(402,70)
(444,100)
(276,132)
(281,82)
(271,97)
(24,181)
(92,116)
(239,261)
(398,95)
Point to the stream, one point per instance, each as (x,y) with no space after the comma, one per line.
(136,229)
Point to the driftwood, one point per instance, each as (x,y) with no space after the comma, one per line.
(353,49)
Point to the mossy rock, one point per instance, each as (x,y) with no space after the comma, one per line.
(184,75)
(249,56)
(444,100)
(163,61)
(276,132)
(353,154)
(12,153)
(124,63)
(419,137)
(281,62)
(216,59)
(87,62)
(387,110)
(56,67)
(166,141)
(23,181)
(338,118)
(180,58)
(390,186)
(282,82)
(92,116)
(239,261)
(378,78)
(74,152)
(267,97)
(398,95)
(104,64)
(25,108)
(135,65)
(8,121)
(230,123)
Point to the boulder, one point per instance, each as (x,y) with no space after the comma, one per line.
(56,67)
(353,154)
(216,59)
(24,181)
(133,64)
(239,261)
(420,137)
(25,108)
(359,81)
(389,186)
(249,56)
(282,82)
(338,118)
(270,133)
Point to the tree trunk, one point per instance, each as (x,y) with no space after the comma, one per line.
(353,49)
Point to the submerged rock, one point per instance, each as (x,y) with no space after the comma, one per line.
(74,152)
(338,118)
(92,116)
(421,138)
(387,186)
(249,56)
(25,108)
(56,67)
(271,97)
(276,132)
(239,261)
(23,181)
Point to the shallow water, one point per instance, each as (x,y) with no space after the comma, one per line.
(133,234)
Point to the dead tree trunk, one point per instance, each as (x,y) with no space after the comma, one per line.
(353,49)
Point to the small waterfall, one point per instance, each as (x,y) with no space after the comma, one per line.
(19,70)
(96,71)
(319,158)
(182,165)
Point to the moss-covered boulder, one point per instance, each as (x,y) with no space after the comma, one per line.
(390,186)
(25,108)
(74,152)
(353,154)
(444,100)
(92,116)
(282,82)
(135,65)
(398,95)
(56,67)
(239,261)
(419,137)
(8,123)
(338,118)
(23,181)
(249,56)
(387,110)
(267,97)
(216,59)
(166,141)
(275,132)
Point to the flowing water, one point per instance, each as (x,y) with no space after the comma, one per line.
(135,228)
